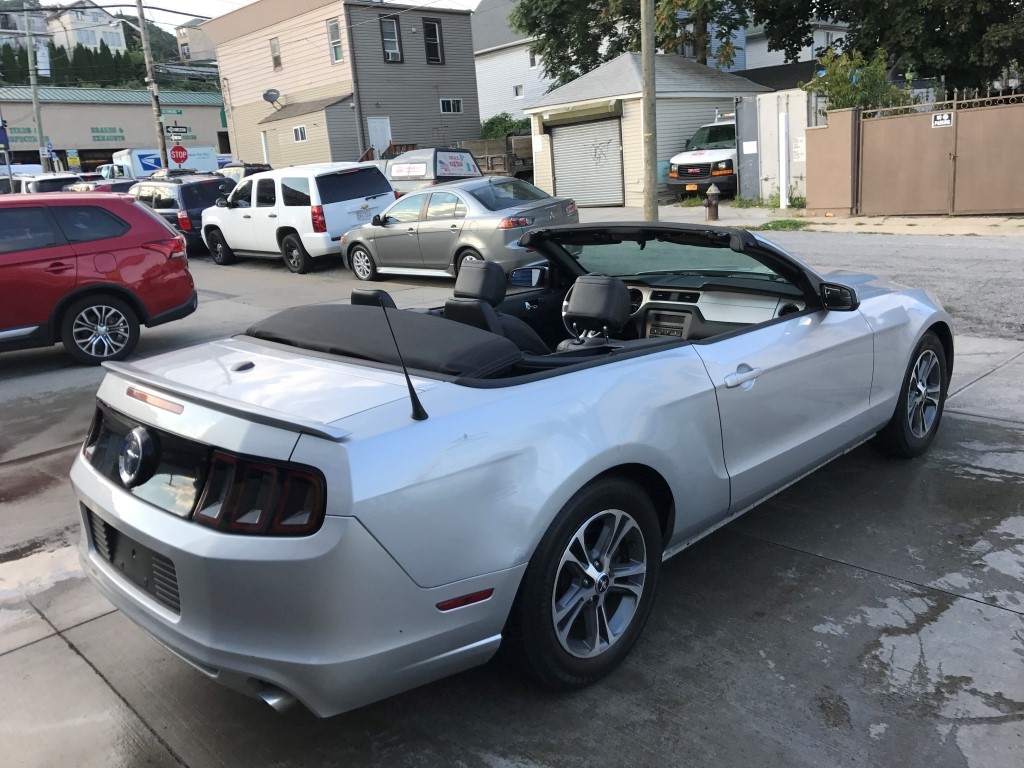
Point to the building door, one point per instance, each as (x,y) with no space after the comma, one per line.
(588,162)
(379,130)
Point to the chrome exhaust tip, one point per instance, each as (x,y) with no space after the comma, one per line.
(281,701)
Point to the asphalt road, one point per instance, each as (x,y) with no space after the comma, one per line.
(873,614)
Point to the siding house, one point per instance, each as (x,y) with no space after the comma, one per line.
(508,76)
(85,23)
(320,80)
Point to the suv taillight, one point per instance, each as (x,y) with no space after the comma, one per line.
(261,498)
(316,213)
(184,221)
(172,248)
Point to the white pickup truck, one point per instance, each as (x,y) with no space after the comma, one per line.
(710,158)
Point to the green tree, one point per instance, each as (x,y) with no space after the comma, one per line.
(9,65)
(500,125)
(850,80)
(968,43)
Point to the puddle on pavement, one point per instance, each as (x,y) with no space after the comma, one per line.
(20,579)
(996,461)
(959,662)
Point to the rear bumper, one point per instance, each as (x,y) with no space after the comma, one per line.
(320,244)
(175,313)
(330,618)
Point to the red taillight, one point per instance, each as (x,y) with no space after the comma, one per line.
(173,248)
(316,213)
(261,498)
(513,222)
(184,221)
(570,209)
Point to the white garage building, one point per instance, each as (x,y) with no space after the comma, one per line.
(588,134)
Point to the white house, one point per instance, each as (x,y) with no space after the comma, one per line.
(85,23)
(758,55)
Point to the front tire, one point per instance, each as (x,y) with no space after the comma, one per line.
(220,252)
(921,402)
(296,258)
(589,587)
(362,263)
(99,328)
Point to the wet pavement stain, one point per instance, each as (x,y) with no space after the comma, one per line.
(834,709)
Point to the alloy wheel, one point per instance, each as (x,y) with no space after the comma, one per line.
(361,265)
(599,583)
(924,390)
(101,331)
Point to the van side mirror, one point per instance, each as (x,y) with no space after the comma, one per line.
(376,220)
(838,298)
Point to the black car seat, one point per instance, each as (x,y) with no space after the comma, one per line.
(479,288)
(597,308)
(372,298)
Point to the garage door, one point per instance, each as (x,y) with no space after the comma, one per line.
(588,162)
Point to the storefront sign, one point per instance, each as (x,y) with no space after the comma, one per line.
(106,133)
(73,159)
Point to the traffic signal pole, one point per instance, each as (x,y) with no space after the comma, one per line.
(151,86)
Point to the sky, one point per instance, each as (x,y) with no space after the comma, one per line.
(190,8)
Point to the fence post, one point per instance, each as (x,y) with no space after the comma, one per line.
(953,154)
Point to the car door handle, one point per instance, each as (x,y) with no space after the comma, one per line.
(57,267)
(454,228)
(411,230)
(742,376)
(271,215)
(531,304)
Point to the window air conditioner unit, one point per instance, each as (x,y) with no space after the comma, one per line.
(392,55)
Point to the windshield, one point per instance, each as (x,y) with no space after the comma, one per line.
(676,254)
(499,195)
(714,137)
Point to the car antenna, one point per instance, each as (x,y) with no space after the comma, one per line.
(418,412)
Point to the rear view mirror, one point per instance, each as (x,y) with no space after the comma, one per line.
(528,277)
(838,298)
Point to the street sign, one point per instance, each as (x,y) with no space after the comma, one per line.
(170,111)
(178,154)
(43,152)
(49,146)
(177,129)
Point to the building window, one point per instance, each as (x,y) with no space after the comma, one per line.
(275,52)
(432,41)
(77,15)
(183,49)
(87,38)
(334,40)
(390,39)
(96,17)
(517,91)
(533,60)
(451,106)
(299,132)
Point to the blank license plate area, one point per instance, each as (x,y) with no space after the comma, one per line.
(691,187)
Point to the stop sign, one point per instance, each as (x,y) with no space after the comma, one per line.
(179,154)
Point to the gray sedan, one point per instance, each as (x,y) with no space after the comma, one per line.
(434,231)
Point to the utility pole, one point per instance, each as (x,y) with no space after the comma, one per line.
(33,79)
(649,111)
(154,92)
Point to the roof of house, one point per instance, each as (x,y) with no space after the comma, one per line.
(52,94)
(783,76)
(288,111)
(491,28)
(673,75)
(195,21)
(61,10)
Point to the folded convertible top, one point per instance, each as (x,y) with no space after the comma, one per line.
(429,343)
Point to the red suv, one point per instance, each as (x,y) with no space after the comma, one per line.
(86,269)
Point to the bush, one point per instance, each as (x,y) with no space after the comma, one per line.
(747,202)
(691,201)
(502,124)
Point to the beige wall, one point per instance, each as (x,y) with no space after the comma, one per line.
(633,152)
(543,171)
(830,164)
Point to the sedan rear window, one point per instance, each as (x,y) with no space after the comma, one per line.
(350,185)
(204,195)
(499,195)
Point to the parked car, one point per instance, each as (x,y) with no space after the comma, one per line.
(434,231)
(709,158)
(239,171)
(298,213)
(88,175)
(421,168)
(36,182)
(494,496)
(103,185)
(87,270)
(181,200)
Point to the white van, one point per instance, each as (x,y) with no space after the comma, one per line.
(140,163)
(710,158)
(298,213)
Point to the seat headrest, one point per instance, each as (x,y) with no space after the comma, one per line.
(367,297)
(482,280)
(597,302)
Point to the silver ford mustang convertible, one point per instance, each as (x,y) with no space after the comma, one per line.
(349,500)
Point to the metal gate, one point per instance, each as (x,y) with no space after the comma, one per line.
(588,162)
(949,157)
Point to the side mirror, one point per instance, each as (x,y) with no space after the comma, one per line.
(222,202)
(838,298)
(529,277)
(376,220)
(686,146)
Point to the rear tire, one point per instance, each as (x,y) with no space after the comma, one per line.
(467,255)
(362,263)
(220,252)
(296,258)
(589,587)
(922,399)
(99,328)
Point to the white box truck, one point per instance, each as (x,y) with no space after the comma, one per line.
(140,163)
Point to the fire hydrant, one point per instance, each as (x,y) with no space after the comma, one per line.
(711,203)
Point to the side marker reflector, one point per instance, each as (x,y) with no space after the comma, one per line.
(156,402)
(464,600)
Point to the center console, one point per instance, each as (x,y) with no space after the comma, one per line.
(675,324)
